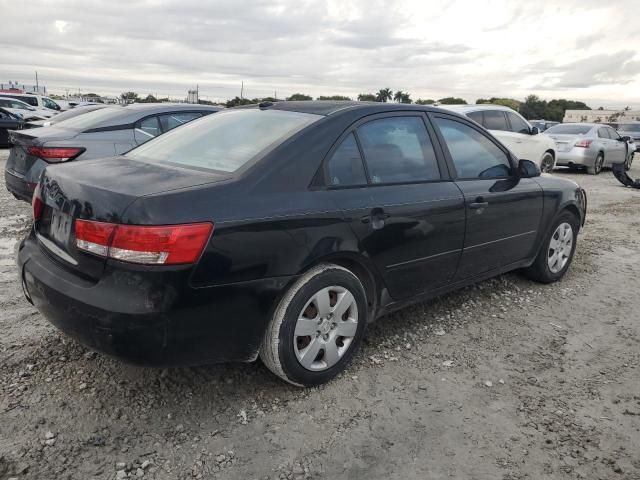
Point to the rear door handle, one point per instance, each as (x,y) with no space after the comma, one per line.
(479,203)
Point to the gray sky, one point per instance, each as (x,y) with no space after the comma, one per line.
(580,49)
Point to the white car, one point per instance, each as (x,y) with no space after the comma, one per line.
(37,101)
(24,110)
(513,131)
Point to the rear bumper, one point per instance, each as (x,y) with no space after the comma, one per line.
(18,185)
(576,156)
(152,319)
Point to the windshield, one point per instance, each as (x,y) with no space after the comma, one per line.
(92,119)
(224,141)
(570,129)
(629,127)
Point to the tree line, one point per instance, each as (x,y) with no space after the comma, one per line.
(531,108)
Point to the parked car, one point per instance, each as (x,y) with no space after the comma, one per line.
(8,121)
(512,130)
(588,145)
(37,101)
(66,115)
(101,133)
(24,110)
(542,124)
(282,230)
(631,130)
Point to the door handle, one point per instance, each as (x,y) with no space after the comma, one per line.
(479,203)
(377,218)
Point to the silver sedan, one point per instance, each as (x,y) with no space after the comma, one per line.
(588,145)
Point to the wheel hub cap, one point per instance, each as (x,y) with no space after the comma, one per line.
(325,328)
(560,247)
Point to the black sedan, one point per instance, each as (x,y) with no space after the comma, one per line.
(8,121)
(281,230)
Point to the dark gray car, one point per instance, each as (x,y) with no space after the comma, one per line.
(102,133)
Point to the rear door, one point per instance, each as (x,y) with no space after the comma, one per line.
(503,212)
(389,178)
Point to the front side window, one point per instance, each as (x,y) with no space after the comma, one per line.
(173,120)
(473,154)
(602,133)
(613,134)
(398,149)
(345,165)
(518,125)
(224,141)
(495,120)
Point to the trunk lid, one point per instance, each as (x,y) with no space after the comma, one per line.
(100,190)
(20,161)
(565,142)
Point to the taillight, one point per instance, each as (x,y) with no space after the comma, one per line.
(55,154)
(583,143)
(37,205)
(151,245)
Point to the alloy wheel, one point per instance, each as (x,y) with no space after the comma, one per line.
(325,328)
(546,166)
(560,247)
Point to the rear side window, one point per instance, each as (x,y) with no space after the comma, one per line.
(33,101)
(602,133)
(476,117)
(495,120)
(398,149)
(518,125)
(173,120)
(473,154)
(150,127)
(345,165)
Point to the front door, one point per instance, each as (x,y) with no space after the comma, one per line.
(407,216)
(503,211)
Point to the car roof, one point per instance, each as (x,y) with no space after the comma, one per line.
(475,107)
(331,107)
(585,124)
(153,107)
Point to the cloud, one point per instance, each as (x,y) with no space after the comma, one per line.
(431,49)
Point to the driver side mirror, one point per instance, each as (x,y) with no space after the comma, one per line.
(528,169)
(625,138)
(535,130)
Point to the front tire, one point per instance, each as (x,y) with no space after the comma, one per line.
(596,168)
(556,254)
(317,326)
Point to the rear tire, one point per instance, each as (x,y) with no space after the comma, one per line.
(596,168)
(302,343)
(557,250)
(547,162)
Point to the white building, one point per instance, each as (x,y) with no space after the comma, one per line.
(192,96)
(601,116)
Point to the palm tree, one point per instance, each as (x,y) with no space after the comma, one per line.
(398,96)
(384,95)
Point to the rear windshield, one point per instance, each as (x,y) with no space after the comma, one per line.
(74,112)
(92,119)
(224,141)
(629,127)
(570,129)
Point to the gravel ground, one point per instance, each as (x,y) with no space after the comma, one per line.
(507,379)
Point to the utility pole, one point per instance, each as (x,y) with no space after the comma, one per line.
(37,86)
(242,90)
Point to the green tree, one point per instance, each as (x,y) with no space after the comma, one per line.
(452,101)
(384,95)
(427,101)
(337,98)
(367,97)
(236,101)
(298,97)
(534,108)
(402,97)
(129,97)
(505,102)
(148,99)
